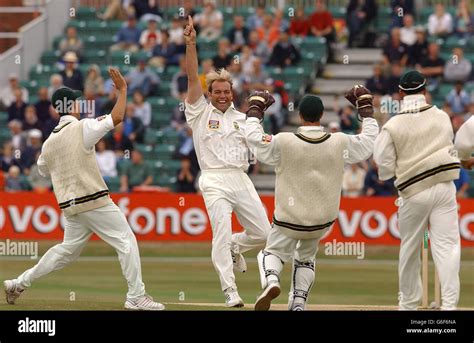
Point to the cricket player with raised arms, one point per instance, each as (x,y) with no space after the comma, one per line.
(68,155)
(309,166)
(223,156)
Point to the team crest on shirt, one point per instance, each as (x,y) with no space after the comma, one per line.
(266,138)
(236,125)
(213,124)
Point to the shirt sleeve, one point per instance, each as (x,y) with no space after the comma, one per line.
(263,146)
(42,167)
(193,111)
(95,129)
(385,155)
(361,146)
(464,142)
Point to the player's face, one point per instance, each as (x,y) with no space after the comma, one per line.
(221,95)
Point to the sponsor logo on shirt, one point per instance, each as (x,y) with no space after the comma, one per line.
(236,125)
(213,124)
(266,138)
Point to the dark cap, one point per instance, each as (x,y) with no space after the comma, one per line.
(63,98)
(311,108)
(412,82)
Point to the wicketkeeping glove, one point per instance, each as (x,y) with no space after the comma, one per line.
(361,98)
(259,102)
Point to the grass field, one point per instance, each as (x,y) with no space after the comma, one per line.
(182,276)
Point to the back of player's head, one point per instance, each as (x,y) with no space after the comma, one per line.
(412,82)
(63,99)
(311,108)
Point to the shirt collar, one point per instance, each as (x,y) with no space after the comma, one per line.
(310,128)
(232,107)
(414,101)
(66,119)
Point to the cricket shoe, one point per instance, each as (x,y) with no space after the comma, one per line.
(265,299)
(143,303)
(232,298)
(239,262)
(12,291)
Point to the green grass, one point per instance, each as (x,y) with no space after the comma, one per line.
(171,271)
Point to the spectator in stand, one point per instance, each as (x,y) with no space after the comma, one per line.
(360,15)
(462,184)
(432,66)
(164,54)
(186,178)
(14,181)
(258,48)
(299,24)
(137,173)
(143,79)
(72,76)
(284,53)
(457,68)
(189,9)
(128,37)
(71,43)
(210,21)
(114,11)
(38,182)
(334,127)
(393,80)
(281,23)
(49,124)
(31,119)
(179,82)
(259,79)
(374,186)
(142,109)
(119,142)
(464,20)
(255,20)
(408,31)
(18,107)
(150,32)
(395,51)
(268,32)
(94,80)
(106,160)
(43,105)
(206,67)
(458,99)
(322,25)
(133,127)
(401,8)
(418,51)
(18,137)
(440,23)
(176,33)
(238,35)
(146,10)
(28,156)
(7,94)
(353,181)
(55,82)
(223,57)
(178,118)
(89,108)
(9,157)
(348,121)
(376,84)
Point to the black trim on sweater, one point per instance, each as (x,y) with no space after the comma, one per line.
(62,127)
(83,199)
(422,109)
(313,140)
(297,227)
(428,173)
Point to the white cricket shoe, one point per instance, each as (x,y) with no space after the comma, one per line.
(12,291)
(232,298)
(143,303)
(265,299)
(239,262)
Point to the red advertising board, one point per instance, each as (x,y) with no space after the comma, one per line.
(183,217)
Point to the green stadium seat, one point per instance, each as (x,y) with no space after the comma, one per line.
(171,137)
(50,57)
(4,135)
(164,152)
(99,42)
(165,181)
(113,183)
(95,56)
(146,150)
(85,13)
(122,165)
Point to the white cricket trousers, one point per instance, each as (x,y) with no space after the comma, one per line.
(226,191)
(436,208)
(110,224)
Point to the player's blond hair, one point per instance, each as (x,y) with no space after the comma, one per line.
(218,75)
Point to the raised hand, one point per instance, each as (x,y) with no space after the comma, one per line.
(361,98)
(117,78)
(190,32)
(259,102)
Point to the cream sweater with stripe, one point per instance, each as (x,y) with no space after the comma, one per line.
(77,182)
(423,140)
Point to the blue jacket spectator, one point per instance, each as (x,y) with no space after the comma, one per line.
(143,79)
(458,99)
(128,37)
